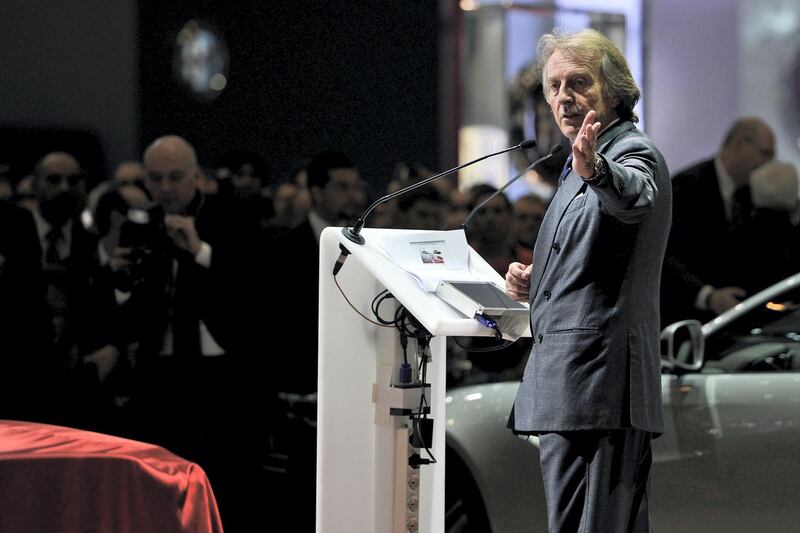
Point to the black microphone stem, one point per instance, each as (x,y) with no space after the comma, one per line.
(354,233)
(553,151)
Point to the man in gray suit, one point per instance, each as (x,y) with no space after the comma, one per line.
(591,388)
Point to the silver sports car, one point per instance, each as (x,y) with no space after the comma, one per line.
(729,460)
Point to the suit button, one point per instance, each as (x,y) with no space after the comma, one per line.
(539,338)
(556,247)
(547,294)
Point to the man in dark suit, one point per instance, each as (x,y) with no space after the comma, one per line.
(59,188)
(100,385)
(591,388)
(337,199)
(187,268)
(703,268)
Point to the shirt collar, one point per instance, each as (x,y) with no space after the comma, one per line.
(726,185)
(608,126)
(43,226)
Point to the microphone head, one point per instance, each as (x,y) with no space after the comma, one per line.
(525,145)
(556,149)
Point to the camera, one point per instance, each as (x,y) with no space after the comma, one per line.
(143,231)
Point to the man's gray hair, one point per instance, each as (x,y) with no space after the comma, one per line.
(774,185)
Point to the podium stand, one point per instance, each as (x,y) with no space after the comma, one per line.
(364,484)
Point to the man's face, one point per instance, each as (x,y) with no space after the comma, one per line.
(424,214)
(573,90)
(130,172)
(494,218)
(245,182)
(756,150)
(59,173)
(343,198)
(171,180)
(528,216)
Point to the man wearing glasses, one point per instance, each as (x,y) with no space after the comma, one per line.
(711,204)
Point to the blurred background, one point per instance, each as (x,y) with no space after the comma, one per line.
(260,89)
(386,81)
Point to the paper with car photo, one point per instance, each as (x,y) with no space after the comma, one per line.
(431,257)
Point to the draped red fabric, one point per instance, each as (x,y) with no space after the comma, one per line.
(56,479)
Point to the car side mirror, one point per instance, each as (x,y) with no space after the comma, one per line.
(682,345)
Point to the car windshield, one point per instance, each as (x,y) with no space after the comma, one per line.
(775,320)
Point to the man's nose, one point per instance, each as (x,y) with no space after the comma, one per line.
(564,96)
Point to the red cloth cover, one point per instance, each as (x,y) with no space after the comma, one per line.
(57,479)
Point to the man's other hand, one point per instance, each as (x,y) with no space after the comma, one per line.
(518,280)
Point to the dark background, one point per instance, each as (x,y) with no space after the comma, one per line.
(304,75)
(355,76)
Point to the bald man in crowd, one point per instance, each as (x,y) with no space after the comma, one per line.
(703,272)
(189,272)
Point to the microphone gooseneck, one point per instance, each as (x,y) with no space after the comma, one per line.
(354,233)
(553,151)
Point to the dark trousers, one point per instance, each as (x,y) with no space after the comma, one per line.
(596,481)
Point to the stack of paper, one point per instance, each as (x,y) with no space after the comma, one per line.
(431,257)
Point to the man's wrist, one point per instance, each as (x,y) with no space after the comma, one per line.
(599,173)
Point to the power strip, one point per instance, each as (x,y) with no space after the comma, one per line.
(406,487)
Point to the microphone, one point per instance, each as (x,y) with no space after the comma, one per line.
(340,261)
(354,233)
(553,151)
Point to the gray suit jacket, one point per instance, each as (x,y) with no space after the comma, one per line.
(594,296)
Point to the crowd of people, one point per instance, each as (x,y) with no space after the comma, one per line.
(144,305)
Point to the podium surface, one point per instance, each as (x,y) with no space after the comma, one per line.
(364,483)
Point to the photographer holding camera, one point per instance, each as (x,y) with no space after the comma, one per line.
(187,268)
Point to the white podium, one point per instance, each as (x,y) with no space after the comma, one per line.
(364,484)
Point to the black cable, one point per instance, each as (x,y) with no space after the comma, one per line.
(362,315)
(402,321)
(500,346)
(423,400)
(376,303)
(404,346)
